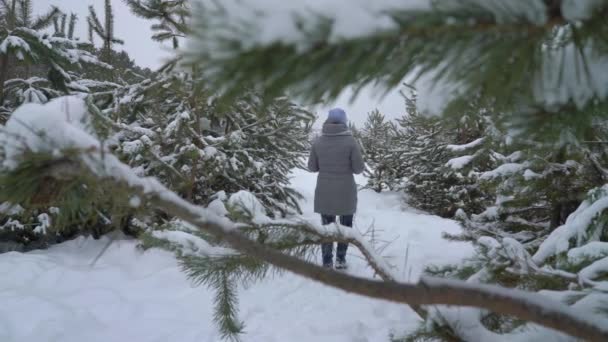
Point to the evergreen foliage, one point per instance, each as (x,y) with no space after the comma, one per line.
(518,156)
(209,262)
(59,25)
(36,66)
(42,67)
(168,125)
(38,211)
(422,156)
(20,40)
(197,148)
(376,138)
(104,31)
(550,46)
(171,16)
(520,148)
(124,70)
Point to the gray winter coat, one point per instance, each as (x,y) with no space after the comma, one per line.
(336,156)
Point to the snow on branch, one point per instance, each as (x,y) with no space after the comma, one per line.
(464,147)
(63,123)
(459,162)
(327,49)
(576,227)
(502,171)
(352,236)
(192,244)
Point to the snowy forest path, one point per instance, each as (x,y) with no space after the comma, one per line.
(133,296)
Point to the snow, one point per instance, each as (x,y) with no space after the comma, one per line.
(61,123)
(191,245)
(210,151)
(32,95)
(566,82)
(503,170)
(44,221)
(133,147)
(459,162)
(592,250)
(530,175)
(599,267)
(489,242)
(575,228)
(132,295)
(15,43)
(460,148)
(490,213)
(273,20)
(579,9)
(245,201)
(10,209)
(218,207)
(135,201)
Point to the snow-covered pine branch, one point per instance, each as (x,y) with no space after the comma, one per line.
(201,148)
(315,55)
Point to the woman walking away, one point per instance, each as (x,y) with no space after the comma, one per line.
(336,156)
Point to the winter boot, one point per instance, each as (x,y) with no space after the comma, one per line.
(341,264)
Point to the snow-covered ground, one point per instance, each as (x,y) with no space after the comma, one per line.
(130,295)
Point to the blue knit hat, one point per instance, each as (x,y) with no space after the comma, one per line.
(337,115)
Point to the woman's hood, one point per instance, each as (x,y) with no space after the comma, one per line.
(330,129)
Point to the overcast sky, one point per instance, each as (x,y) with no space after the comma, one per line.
(136,34)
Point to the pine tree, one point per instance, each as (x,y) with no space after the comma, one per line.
(519,56)
(419,156)
(19,39)
(376,137)
(529,181)
(537,64)
(171,15)
(44,67)
(471,148)
(104,31)
(198,149)
(59,25)
(36,66)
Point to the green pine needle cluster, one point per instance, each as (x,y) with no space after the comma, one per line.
(486,49)
(74,205)
(225,272)
(172,16)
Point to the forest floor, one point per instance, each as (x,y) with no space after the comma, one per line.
(132,295)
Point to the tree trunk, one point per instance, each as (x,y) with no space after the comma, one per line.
(561,211)
(3,76)
(556,215)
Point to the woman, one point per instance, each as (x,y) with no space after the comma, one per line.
(336,156)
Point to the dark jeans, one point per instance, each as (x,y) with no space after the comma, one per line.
(328,248)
